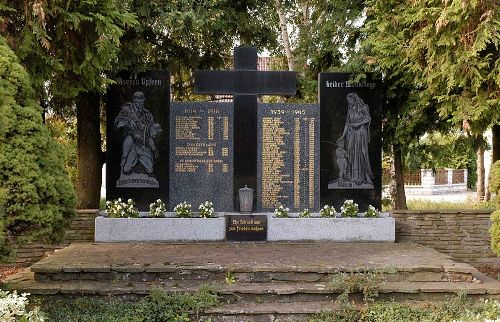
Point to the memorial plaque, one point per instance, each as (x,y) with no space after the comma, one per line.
(246,228)
(351,151)
(201,159)
(137,130)
(288,157)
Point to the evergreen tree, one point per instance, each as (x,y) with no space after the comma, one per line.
(39,198)
(66,48)
(447,52)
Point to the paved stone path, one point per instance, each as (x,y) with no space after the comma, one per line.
(322,256)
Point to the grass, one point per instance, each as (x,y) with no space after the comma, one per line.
(458,308)
(466,204)
(157,306)
(421,204)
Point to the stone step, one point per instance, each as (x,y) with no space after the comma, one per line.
(268,312)
(241,273)
(269,292)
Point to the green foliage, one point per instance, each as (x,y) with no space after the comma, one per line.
(121,209)
(281,212)
(305,213)
(447,51)
(327,211)
(457,308)
(439,151)
(66,46)
(39,198)
(64,132)
(395,312)
(157,306)
(160,306)
(495,232)
(323,36)
(5,250)
(469,204)
(230,278)
(365,282)
(494,184)
(345,314)
(183,36)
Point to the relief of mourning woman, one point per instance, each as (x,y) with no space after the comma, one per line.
(138,147)
(352,147)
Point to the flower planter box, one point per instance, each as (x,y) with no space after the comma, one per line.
(159,229)
(214,229)
(332,229)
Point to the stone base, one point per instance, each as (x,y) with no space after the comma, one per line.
(214,229)
(159,229)
(332,229)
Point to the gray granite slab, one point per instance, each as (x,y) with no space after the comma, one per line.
(288,156)
(201,158)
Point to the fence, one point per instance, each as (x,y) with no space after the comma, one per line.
(428,182)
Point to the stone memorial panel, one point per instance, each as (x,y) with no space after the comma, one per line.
(288,157)
(351,151)
(201,159)
(246,228)
(137,138)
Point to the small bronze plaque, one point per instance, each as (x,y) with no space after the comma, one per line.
(246,228)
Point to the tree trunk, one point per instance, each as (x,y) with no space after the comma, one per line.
(397,189)
(495,156)
(480,174)
(284,35)
(88,184)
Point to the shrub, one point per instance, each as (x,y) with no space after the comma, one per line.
(281,212)
(119,209)
(158,305)
(13,307)
(40,198)
(349,208)
(305,214)
(495,216)
(183,210)
(157,209)
(372,212)
(495,232)
(327,212)
(206,210)
(494,184)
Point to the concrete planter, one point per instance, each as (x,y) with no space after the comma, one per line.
(159,229)
(214,229)
(332,229)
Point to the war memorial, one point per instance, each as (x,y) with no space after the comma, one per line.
(248,158)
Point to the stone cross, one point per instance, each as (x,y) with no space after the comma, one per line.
(245,83)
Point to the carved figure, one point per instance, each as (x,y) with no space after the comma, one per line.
(139,133)
(352,153)
(341,156)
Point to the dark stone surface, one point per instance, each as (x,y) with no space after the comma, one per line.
(288,156)
(350,167)
(245,83)
(137,154)
(246,228)
(242,82)
(245,145)
(201,159)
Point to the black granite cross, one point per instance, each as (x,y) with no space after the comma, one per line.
(245,83)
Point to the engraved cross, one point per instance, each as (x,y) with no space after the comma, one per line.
(245,83)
